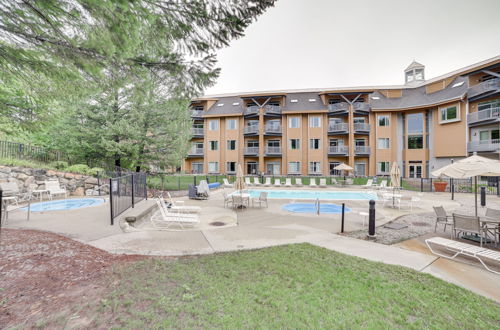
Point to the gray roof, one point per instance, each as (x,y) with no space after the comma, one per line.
(414,64)
(303,102)
(226,106)
(416,97)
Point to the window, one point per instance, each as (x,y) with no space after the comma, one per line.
(294,144)
(415,123)
(231,124)
(231,167)
(359,142)
(294,122)
(213,124)
(315,121)
(293,167)
(383,167)
(494,106)
(197,168)
(214,145)
(253,143)
(415,142)
(213,167)
(231,145)
(383,143)
(314,143)
(358,120)
(315,167)
(383,120)
(449,114)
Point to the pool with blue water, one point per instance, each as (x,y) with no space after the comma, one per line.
(64,204)
(312,208)
(314,194)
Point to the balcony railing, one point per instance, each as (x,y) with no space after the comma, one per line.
(273,150)
(361,106)
(484,87)
(272,109)
(251,129)
(197,130)
(361,127)
(272,129)
(251,151)
(196,113)
(483,115)
(338,107)
(338,150)
(196,152)
(338,127)
(252,109)
(362,150)
(483,145)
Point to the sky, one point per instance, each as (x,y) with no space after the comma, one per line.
(341,43)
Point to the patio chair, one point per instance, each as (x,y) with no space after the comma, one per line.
(391,200)
(256,181)
(369,184)
(10,193)
(492,228)
(164,219)
(383,184)
(247,181)
(288,182)
(179,207)
(277,182)
(322,183)
(228,200)
(261,199)
(442,217)
(238,201)
(193,192)
(312,182)
(55,189)
(298,182)
(268,182)
(468,224)
(226,183)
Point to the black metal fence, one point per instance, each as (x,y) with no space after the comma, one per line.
(14,150)
(456,185)
(125,191)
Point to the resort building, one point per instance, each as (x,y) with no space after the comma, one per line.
(422,125)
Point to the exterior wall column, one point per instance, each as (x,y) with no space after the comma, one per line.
(284,145)
(350,119)
(262,165)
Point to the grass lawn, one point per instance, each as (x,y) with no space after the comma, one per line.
(296,286)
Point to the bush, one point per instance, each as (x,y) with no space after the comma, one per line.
(60,165)
(78,168)
(93,171)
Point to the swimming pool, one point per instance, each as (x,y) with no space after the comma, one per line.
(65,204)
(314,194)
(311,208)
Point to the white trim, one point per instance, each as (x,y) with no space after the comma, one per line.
(457,106)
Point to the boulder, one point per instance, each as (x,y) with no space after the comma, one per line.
(5,169)
(51,173)
(78,176)
(79,192)
(40,172)
(21,176)
(69,176)
(91,180)
(29,180)
(28,171)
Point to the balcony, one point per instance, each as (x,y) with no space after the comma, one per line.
(197,114)
(338,128)
(338,150)
(251,151)
(484,146)
(195,152)
(272,151)
(252,110)
(340,108)
(361,128)
(197,131)
(485,89)
(272,130)
(361,150)
(484,116)
(272,110)
(361,108)
(251,130)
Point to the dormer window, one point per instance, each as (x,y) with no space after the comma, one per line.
(414,72)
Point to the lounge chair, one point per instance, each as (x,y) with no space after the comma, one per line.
(288,182)
(164,219)
(55,189)
(442,217)
(256,181)
(468,224)
(312,182)
(277,182)
(247,181)
(383,184)
(226,183)
(298,182)
(261,199)
(322,183)
(334,181)
(369,184)
(193,193)
(268,182)
(179,207)
(459,248)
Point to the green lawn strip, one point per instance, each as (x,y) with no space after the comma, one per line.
(296,286)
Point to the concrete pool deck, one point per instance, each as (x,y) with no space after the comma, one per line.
(260,228)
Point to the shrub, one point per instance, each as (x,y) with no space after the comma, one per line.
(78,168)
(60,165)
(93,171)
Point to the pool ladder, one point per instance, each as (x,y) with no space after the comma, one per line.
(318,206)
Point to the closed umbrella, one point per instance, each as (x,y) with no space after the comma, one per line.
(469,167)
(395,174)
(240,182)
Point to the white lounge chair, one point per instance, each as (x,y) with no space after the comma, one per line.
(164,219)
(334,182)
(55,189)
(268,182)
(458,248)
(178,206)
(322,183)
(247,181)
(256,181)
(369,184)
(383,184)
(226,183)
(277,182)
(298,182)
(288,182)
(312,182)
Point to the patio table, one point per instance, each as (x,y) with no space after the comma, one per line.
(40,192)
(244,196)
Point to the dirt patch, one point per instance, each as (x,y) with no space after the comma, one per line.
(42,273)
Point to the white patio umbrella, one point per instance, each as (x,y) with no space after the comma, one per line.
(469,167)
(395,174)
(239,184)
(343,167)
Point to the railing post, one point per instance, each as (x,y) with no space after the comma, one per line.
(498,188)
(179,183)
(133,190)
(483,196)
(98,184)
(421,184)
(111,200)
(371,219)
(430,185)
(1,210)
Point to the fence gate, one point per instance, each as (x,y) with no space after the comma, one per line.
(126,191)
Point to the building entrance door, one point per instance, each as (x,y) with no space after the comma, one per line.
(415,171)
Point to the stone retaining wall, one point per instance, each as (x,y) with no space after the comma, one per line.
(75,184)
